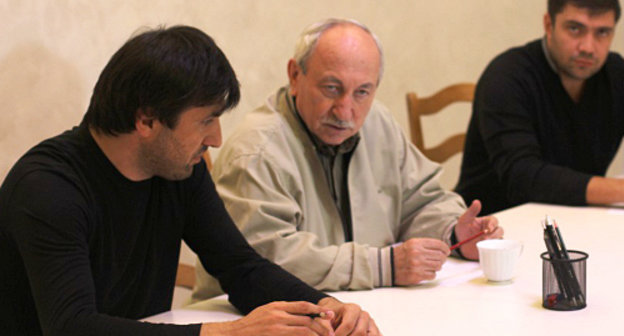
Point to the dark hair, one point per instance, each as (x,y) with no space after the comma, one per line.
(594,6)
(163,72)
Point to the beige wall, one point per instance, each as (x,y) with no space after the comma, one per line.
(52,51)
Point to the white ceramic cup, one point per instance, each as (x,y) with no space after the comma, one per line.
(498,258)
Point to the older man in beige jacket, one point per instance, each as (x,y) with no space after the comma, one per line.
(322,181)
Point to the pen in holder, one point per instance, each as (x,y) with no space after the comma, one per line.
(563,272)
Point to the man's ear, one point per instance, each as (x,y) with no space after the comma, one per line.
(145,122)
(548,25)
(294,72)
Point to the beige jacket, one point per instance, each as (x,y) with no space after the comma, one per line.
(273,185)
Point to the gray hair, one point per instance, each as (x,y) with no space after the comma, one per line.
(310,36)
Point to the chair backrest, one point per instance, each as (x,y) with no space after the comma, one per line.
(417,107)
(186,273)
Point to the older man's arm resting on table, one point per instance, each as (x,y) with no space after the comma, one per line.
(430,211)
(418,259)
(258,197)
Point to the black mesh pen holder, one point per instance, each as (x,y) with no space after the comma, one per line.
(564,281)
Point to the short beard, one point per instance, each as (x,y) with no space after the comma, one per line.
(156,159)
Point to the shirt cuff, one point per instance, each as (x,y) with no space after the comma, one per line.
(380,260)
(448,232)
(452,241)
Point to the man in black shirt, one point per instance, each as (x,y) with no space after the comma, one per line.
(91,221)
(548,117)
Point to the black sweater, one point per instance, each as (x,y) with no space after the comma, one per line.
(528,141)
(85,251)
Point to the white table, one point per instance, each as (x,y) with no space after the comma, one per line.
(461,302)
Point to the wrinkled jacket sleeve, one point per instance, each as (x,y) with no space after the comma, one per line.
(428,210)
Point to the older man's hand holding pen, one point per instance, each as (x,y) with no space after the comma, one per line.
(418,259)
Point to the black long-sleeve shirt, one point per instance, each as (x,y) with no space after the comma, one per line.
(529,141)
(85,251)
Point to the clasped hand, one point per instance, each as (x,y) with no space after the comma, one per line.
(291,318)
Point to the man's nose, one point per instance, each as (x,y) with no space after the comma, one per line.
(587,44)
(214,138)
(343,107)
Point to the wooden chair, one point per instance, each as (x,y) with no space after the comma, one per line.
(417,107)
(185,277)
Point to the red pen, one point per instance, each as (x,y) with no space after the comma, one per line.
(468,239)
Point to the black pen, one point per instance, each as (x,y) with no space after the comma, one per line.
(549,240)
(578,293)
(563,248)
(553,237)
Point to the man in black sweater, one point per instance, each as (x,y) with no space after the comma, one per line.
(548,117)
(91,221)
